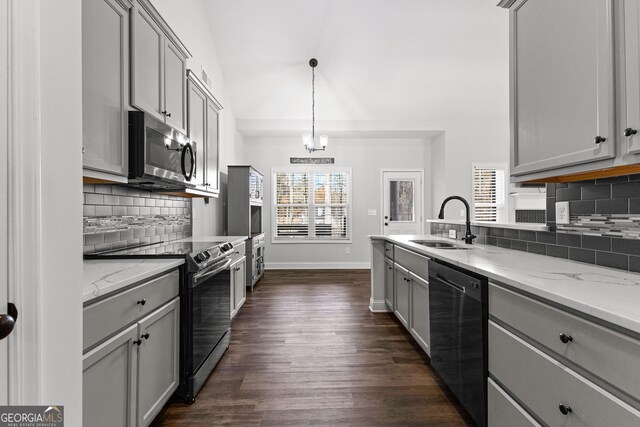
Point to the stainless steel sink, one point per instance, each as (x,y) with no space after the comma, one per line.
(438,244)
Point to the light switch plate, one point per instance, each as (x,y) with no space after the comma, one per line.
(562,213)
(372,212)
(453,234)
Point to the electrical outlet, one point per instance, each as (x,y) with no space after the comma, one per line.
(453,234)
(463,213)
(562,213)
(347,250)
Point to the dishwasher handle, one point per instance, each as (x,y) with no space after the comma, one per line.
(450,283)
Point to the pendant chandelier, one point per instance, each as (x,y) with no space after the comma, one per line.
(308,139)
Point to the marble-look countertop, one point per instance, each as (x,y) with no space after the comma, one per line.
(103,276)
(604,293)
(511,225)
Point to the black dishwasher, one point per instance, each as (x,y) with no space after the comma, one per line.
(458,322)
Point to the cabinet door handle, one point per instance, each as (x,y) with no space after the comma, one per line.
(565,409)
(598,139)
(137,342)
(142,301)
(145,336)
(168,114)
(630,131)
(8,321)
(565,338)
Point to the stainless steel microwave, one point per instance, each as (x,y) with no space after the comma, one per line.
(160,157)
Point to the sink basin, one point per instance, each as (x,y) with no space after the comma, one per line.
(438,244)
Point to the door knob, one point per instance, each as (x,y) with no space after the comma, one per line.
(386,217)
(598,139)
(8,321)
(630,131)
(386,224)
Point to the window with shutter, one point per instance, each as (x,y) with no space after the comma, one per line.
(311,204)
(489,186)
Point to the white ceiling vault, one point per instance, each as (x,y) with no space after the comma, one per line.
(392,61)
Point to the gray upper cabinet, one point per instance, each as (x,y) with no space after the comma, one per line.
(203,120)
(175,95)
(631,120)
(158,67)
(562,84)
(197,113)
(212,149)
(105,88)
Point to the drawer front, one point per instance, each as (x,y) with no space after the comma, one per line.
(607,354)
(112,314)
(417,264)
(238,252)
(543,384)
(388,250)
(258,241)
(504,411)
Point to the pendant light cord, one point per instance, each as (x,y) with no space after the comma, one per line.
(313,103)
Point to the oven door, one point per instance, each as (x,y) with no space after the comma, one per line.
(210,314)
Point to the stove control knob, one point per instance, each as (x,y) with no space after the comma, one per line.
(202,256)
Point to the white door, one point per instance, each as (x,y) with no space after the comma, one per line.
(4,365)
(402,202)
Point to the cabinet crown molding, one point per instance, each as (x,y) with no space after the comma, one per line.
(166,29)
(506,3)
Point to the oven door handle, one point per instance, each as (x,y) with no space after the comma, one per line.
(200,277)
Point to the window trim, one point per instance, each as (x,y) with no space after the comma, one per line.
(503,211)
(311,169)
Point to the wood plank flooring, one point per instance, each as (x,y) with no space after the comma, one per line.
(306,350)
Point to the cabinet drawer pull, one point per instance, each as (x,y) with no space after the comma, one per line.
(565,338)
(565,409)
(142,301)
(630,132)
(598,139)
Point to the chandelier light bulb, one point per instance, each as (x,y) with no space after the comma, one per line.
(324,141)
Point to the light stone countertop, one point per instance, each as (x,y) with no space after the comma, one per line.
(604,293)
(103,276)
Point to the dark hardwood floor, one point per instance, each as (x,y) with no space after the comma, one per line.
(306,350)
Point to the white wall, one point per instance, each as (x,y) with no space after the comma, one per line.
(61,167)
(463,143)
(366,157)
(189,20)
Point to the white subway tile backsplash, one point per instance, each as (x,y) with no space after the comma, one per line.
(93,199)
(116,217)
(104,211)
(119,210)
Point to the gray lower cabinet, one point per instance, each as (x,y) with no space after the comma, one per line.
(562,84)
(109,382)
(403,294)
(158,360)
(105,85)
(389,283)
(419,313)
(131,353)
(561,369)
(238,285)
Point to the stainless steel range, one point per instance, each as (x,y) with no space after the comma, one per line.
(205,301)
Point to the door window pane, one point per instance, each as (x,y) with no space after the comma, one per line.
(401,200)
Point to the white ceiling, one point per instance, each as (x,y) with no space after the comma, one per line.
(379,60)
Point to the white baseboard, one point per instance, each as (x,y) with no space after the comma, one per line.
(378,306)
(316,265)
